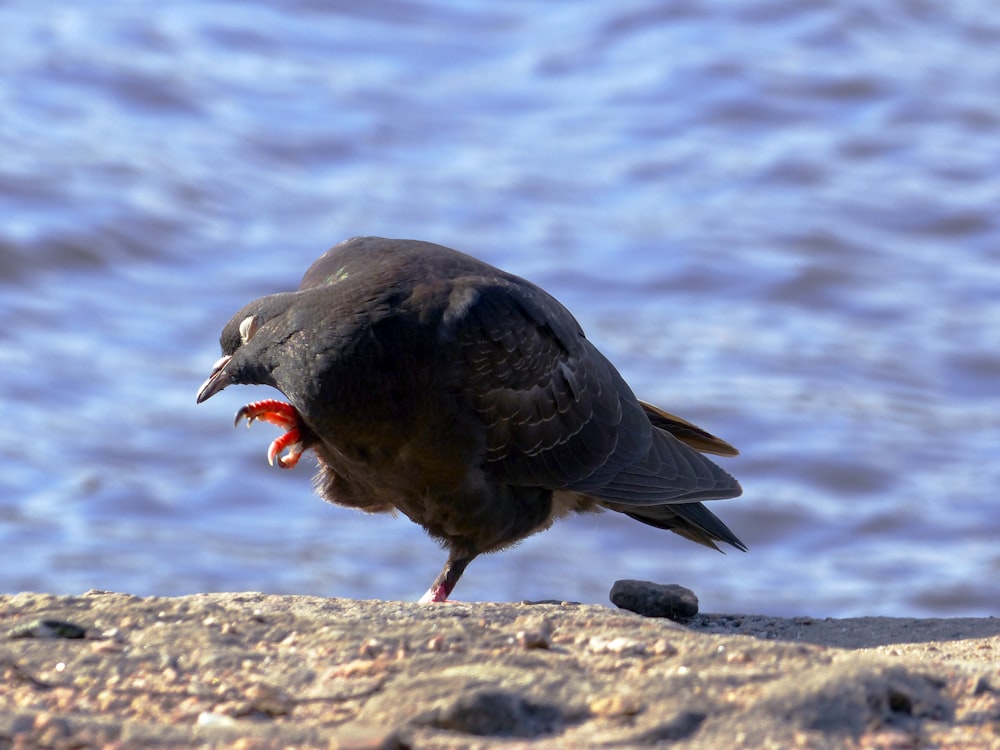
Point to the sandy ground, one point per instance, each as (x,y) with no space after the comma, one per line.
(257,671)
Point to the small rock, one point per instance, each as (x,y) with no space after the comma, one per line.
(983,684)
(209,719)
(48,629)
(533,638)
(620,646)
(371,648)
(489,711)
(436,643)
(655,599)
(534,632)
(664,647)
(738,657)
(270,700)
(612,706)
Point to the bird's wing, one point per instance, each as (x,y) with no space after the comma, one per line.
(557,413)
(670,472)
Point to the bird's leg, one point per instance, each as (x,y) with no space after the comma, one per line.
(285,416)
(446,580)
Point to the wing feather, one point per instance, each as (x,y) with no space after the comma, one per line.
(559,415)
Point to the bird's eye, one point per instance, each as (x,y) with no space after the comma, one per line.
(248,328)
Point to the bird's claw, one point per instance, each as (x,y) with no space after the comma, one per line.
(285,416)
(270,410)
(292,441)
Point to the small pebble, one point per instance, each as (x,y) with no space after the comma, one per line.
(533,638)
(269,699)
(48,629)
(534,632)
(208,719)
(655,599)
(983,684)
(664,648)
(621,646)
(613,706)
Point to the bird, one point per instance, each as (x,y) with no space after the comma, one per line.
(432,384)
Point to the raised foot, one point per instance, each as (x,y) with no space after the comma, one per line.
(285,416)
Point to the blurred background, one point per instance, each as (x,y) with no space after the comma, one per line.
(778,218)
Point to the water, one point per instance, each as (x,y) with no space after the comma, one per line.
(777,219)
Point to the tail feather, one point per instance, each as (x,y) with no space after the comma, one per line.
(632,494)
(690,520)
(690,434)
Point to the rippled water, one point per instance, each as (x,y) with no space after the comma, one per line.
(778,219)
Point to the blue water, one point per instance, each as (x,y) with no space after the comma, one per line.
(779,219)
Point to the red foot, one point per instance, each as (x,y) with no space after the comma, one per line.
(285,416)
(436,595)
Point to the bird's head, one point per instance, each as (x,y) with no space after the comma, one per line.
(246,343)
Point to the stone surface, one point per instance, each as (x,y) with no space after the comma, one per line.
(257,671)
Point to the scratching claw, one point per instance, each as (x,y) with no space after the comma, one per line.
(283,415)
(290,440)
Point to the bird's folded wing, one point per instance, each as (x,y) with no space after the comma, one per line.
(670,473)
(557,413)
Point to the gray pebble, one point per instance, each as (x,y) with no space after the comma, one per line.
(48,629)
(655,599)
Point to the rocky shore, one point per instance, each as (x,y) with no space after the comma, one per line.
(257,671)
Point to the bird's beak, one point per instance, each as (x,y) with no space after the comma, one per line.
(218,380)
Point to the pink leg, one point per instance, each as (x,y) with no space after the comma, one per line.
(446,580)
(435,594)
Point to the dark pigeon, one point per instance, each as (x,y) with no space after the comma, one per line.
(430,383)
